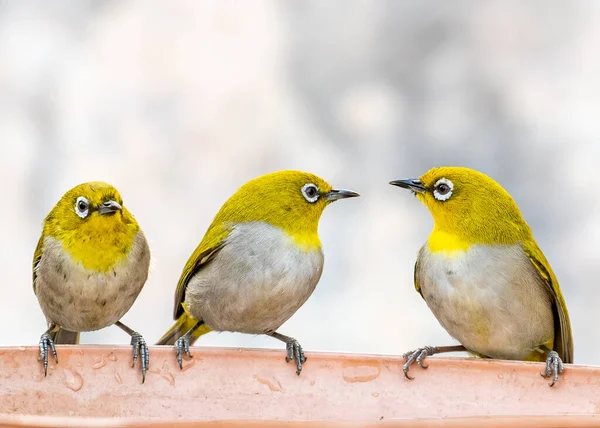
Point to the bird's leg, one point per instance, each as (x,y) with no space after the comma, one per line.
(182,345)
(420,354)
(45,343)
(294,350)
(554,367)
(139,348)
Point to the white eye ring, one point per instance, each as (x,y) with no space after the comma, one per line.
(82,207)
(446,186)
(310,192)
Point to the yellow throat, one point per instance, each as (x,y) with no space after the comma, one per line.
(99,242)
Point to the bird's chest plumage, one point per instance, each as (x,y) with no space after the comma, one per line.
(79,299)
(256,282)
(490,298)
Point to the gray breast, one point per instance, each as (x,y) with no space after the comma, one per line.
(256,282)
(490,298)
(78,299)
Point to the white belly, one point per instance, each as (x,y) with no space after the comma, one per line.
(490,299)
(255,283)
(81,300)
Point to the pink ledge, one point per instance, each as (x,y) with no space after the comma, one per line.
(95,386)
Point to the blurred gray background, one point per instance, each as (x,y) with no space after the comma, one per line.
(179,103)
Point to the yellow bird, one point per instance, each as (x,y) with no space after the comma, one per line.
(484,277)
(257,264)
(89,266)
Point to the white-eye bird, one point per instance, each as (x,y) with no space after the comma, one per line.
(257,264)
(483,275)
(89,266)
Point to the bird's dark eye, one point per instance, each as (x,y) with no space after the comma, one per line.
(82,206)
(443,188)
(310,192)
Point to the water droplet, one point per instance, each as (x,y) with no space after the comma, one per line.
(12,361)
(112,356)
(169,378)
(274,385)
(22,348)
(73,380)
(99,364)
(361,373)
(165,373)
(375,394)
(312,382)
(500,376)
(187,364)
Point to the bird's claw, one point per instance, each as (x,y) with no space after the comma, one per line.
(419,356)
(182,345)
(554,367)
(140,348)
(45,343)
(295,352)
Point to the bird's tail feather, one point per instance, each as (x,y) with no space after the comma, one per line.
(183,324)
(65,337)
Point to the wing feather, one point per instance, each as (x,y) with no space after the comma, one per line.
(213,241)
(37,256)
(563,338)
(417,272)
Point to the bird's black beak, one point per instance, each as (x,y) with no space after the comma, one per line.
(334,194)
(109,207)
(413,184)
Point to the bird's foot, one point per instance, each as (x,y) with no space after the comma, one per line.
(182,345)
(554,367)
(140,348)
(295,352)
(45,343)
(419,356)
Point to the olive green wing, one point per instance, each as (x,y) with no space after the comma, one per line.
(563,337)
(416,274)
(213,241)
(37,256)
